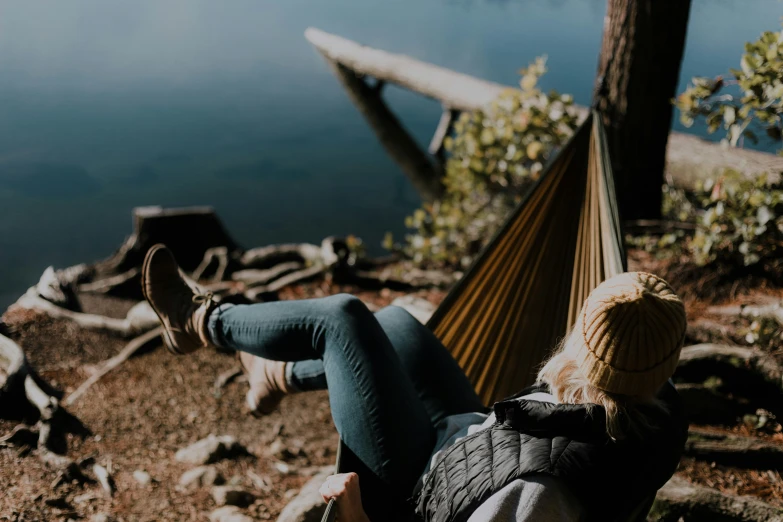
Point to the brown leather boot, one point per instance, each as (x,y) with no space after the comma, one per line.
(183,309)
(267,383)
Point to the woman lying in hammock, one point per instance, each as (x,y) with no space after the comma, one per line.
(594,440)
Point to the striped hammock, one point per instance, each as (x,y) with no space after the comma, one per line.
(525,290)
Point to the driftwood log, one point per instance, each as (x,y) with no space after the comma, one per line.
(771,309)
(138,344)
(253,276)
(733,450)
(679,500)
(688,160)
(272,255)
(705,359)
(140,318)
(24,396)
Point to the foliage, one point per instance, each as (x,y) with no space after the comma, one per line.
(494,156)
(764,331)
(738,224)
(756,101)
(742,224)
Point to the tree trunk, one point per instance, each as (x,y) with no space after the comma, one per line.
(638,72)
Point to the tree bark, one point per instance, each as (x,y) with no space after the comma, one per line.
(638,72)
(679,500)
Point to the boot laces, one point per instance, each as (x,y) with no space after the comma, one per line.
(205,298)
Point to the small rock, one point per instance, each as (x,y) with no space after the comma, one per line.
(282,467)
(232,496)
(211,449)
(104,478)
(308,505)
(142,477)
(201,476)
(279,450)
(261,482)
(228,514)
(101,517)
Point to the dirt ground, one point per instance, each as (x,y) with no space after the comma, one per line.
(157,403)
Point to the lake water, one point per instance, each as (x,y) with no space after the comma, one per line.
(108,105)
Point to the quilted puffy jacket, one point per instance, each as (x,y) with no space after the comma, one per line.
(566,441)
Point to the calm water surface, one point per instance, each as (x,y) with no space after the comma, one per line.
(108,105)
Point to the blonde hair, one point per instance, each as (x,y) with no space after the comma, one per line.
(626,416)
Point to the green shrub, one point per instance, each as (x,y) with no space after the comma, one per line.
(493,156)
(753,98)
(738,224)
(742,223)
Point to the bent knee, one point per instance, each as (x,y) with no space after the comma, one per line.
(347,304)
(392,315)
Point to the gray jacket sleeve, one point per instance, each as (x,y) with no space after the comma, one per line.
(538,498)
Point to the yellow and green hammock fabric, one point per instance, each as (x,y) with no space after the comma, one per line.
(526,288)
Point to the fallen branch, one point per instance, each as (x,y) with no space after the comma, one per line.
(772,310)
(679,500)
(656,226)
(22,393)
(733,450)
(106,285)
(129,351)
(271,255)
(709,331)
(14,365)
(255,293)
(218,253)
(262,277)
(459,91)
(132,325)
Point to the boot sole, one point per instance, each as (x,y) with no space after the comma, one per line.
(166,338)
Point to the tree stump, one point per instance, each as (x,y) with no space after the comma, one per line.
(189,232)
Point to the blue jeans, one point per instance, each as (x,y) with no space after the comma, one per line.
(389,378)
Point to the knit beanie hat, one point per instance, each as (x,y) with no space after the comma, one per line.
(629,334)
